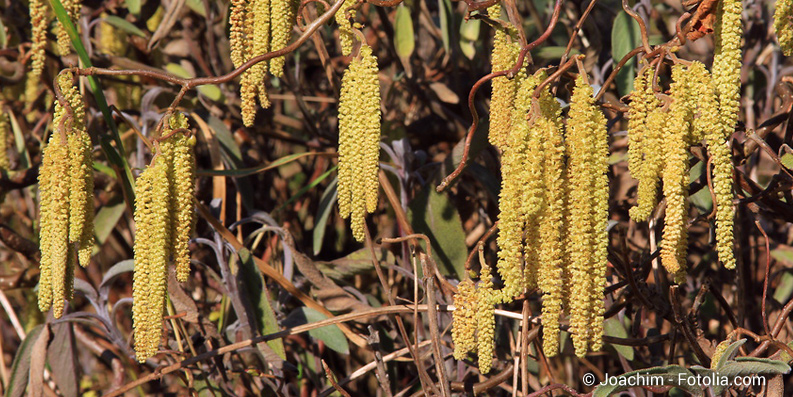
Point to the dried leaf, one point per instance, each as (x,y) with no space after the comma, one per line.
(38,358)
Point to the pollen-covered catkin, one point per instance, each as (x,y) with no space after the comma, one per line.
(587,141)
(359,140)
(237,37)
(548,128)
(521,196)
(720,158)
(38,33)
(54,215)
(644,136)
(343,16)
(151,257)
(464,319)
(181,175)
(675,174)
(485,320)
(727,63)
(505,54)
(5,164)
(72,8)
(783,25)
(283,19)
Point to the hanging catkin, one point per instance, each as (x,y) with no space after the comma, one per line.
(464,319)
(359,140)
(343,16)
(283,15)
(587,141)
(783,25)
(72,8)
(505,54)
(485,320)
(675,174)
(645,148)
(152,229)
(38,36)
(5,164)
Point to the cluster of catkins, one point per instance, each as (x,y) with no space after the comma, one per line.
(259,27)
(359,140)
(700,106)
(553,215)
(164,221)
(66,186)
(40,21)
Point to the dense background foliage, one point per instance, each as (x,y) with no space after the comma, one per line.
(271,252)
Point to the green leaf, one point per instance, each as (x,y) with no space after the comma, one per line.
(613,327)
(210,91)
(124,25)
(198,7)
(785,288)
(433,214)
(20,369)
(553,52)
(133,6)
(257,293)
(19,141)
(625,36)
(469,36)
(106,220)
(357,262)
(404,41)
(3,39)
(306,188)
(701,199)
(330,334)
(446,22)
(324,209)
(748,366)
(728,354)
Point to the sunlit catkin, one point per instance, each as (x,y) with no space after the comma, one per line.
(343,16)
(520,197)
(485,320)
(644,137)
(727,63)
(151,257)
(54,219)
(548,128)
(72,8)
(81,177)
(38,35)
(587,141)
(783,25)
(505,54)
(464,319)
(720,159)
(181,175)
(359,140)
(675,174)
(5,164)
(112,40)
(283,19)
(237,37)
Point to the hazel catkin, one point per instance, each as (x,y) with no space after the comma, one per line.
(359,140)
(464,319)
(646,120)
(783,25)
(505,54)
(38,35)
(5,164)
(485,320)
(152,228)
(343,16)
(72,8)
(727,63)
(587,141)
(283,19)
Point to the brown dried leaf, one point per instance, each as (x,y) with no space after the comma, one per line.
(701,24)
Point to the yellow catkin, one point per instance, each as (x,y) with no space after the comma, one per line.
(5,164)
(721,161)
(644,143)
(505,54)
(520,198)
(237,37)
(587,141)
(551,220)
(181,176)
(72,8)
(727,63)
(38,35)
(151,256)
(346,12)
(675,174)
(283,16)
(485,320)
(359,140)
(464,319)
(783,25)
(112,41)
(54,216)
(81,178)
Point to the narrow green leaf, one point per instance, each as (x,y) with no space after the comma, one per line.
(330,334)
(785,288)
(433,214)
(324,209)
(19,142)
(625,36)
(469,36)
(210,91)
(133,6)
(446,21)
(404,41)
(257,293)
(3,39)
(198,7)
(125,25)
(666,376)
(106,219)
(306,188)
(613,327)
